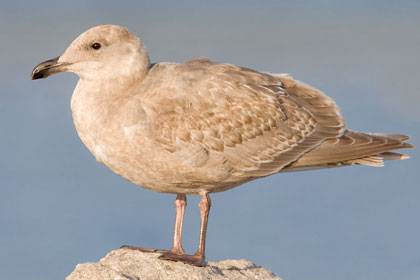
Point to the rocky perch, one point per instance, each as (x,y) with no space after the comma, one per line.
(128,264)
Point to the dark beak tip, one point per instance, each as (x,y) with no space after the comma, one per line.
(38,74)
(41,70)
(35,76)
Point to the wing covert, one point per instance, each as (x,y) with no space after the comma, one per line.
(255,122)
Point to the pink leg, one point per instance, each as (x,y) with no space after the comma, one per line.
(177,253)
(199,257)
(204,207)
(180,205)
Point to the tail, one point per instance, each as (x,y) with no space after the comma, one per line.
(353,148)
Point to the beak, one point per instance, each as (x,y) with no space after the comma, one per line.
(47,68)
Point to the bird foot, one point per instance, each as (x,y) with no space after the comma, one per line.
(144,250)
(196,260)
(168,255)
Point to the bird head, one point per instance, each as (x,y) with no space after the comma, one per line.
(105,51)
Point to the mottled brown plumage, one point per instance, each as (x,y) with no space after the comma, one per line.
(201,127)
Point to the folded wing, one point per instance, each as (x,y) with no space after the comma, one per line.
(253,124)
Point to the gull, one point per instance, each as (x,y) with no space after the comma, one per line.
(201,127)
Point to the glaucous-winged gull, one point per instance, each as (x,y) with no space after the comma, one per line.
(201,127)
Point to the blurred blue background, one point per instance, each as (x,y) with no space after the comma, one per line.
(59,207)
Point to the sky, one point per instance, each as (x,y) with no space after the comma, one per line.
(59,207)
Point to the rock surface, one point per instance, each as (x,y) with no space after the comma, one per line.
(126,264)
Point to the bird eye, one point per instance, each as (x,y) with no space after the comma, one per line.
(96,46)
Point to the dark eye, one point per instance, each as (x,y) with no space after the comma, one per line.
(96,46)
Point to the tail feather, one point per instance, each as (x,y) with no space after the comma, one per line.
(353,148)
(400,137)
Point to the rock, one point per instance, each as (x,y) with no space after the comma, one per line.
(126,264)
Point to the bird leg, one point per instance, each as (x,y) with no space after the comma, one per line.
(198,258)
(204,207)
(180,204)
(177,253)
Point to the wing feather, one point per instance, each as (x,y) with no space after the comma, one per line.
(256,122)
